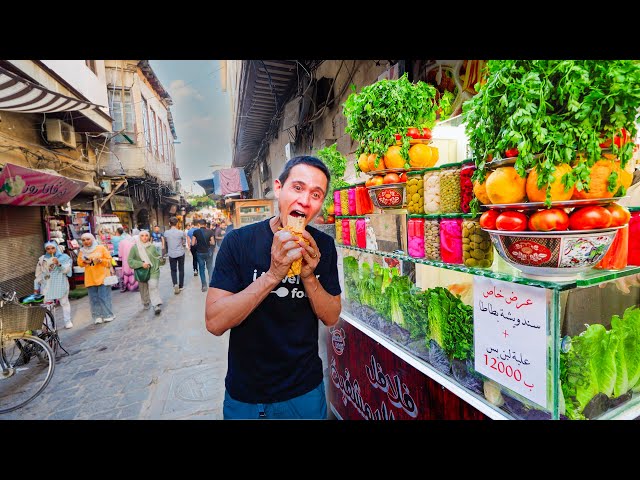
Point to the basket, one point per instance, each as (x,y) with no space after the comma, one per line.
(19,318)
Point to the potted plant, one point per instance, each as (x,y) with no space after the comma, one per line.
(387,108)
(557,113)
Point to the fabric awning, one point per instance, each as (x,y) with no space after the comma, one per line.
(226,181)
(20,95)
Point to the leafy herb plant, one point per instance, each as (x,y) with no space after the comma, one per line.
(337,164)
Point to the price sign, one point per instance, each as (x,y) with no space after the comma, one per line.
(510,336)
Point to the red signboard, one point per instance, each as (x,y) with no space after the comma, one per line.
(20,186)
(368,381)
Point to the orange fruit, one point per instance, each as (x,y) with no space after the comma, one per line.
(363,162)
(371,161)
(421,155)
(599,183)
(558,193)
(393,158)
(480,191)
(626,173)
(435,155)
(504,185)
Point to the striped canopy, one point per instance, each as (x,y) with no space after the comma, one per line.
(20,95)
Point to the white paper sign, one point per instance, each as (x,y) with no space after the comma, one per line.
(510,336)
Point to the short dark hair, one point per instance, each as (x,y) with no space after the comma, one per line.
(203,221)
(305,160)
(120,230)
(173,221)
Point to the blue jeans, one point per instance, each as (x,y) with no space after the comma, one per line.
(309,406)
(205,259)
(100,301)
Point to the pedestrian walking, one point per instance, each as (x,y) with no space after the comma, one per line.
(145,261)
(52,272)
(96,261)
(204,242)
(175,241)
(192,248)
(158,239)
(274,366)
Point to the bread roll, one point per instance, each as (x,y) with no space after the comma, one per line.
(296,226)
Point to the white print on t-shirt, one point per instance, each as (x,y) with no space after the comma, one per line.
(284,291)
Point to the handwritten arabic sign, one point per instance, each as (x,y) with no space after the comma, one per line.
(510,336)
(22,186)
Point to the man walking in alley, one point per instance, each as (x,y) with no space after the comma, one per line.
(158,239)
(204,242)
(192,248)
(175,241)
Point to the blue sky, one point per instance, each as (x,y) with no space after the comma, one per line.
(201,115)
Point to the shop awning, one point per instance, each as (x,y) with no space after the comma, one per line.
(227,181)
(20,186)
(20,95)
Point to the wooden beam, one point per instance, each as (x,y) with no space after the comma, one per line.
(113,191)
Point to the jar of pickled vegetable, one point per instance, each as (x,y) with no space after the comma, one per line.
(415,192)
(353,234)
(477,250)
(361,232)
(450,188)
(363,200)
(346,233)
(415,236)
(372,243)
(338,230)
(431,184)
(351,199)
(337,206)
(432,237)
(451,238)
(344,201)
(633,257)
(466,185)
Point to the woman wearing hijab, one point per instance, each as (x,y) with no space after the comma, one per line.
(96,261)
(51,280)
(145,255)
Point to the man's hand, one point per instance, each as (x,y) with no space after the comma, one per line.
(284,250)
(310,254)
(624,283)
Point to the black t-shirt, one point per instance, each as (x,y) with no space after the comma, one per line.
(203,237)
(273,353)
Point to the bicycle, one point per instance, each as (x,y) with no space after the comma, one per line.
(49,332)
(27,361)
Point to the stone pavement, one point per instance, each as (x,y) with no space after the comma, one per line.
(141,365)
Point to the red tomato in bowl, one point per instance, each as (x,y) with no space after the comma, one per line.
(511,221)
(403,177)
(512,152)
(548,220)
(426,133)
(391,178)
(619,215)
(413,132)
(590,218)
(488,219)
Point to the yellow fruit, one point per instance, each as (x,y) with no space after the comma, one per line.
(435,155)
(558,193)
(393,159)
(599,183)
(371,161)
(363,162)
(421,155)
(480,191)
(504,185)
(626,173)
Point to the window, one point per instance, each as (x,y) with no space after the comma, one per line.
(92,66)
(164,142)
(145,123)
(152,124)
(121,109)
(159,130)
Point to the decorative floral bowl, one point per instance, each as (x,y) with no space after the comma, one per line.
(555,254)
(391,195)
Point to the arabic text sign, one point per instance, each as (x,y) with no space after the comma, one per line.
(22,187)
(510,336)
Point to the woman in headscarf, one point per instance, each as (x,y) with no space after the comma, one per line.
(96,261)
(51,280)
(145,255)
(129,281)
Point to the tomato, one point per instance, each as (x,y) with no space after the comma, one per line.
(620,138)
(589,218)
(398,137)
(413,132)
(391,178)
(403,177)
(512,221)
(619,215)
(376,180)
(548,220)
(331,219)
(512,152)
(426,133)
(488,219)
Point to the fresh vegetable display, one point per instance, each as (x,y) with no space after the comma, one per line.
(336,163)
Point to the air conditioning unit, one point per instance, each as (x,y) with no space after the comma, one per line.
(60,133)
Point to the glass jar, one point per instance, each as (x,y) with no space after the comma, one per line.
(432,237)
(353,234)
(451,238)
(344,201)
(361,232)
(466,185)
(364,205)
(617,256)
(337,206)
(633,257)
(477,250)
(346,234)
(372,243)
(450,188)
(339,230)
(415,192)
(431,183)
(415,236)
(351,199)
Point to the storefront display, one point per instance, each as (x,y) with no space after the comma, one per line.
(431,181)
(450,195)
(634,237)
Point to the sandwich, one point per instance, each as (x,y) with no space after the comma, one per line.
(295,225)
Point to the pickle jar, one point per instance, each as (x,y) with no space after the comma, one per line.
(477,249)
(415,236)
(353,234)
(415,192)
(431,185)
(432,237)
(466,185)
(338,224)
(346,234)
(450,188)
(344,201)
(451,238)
(372,243)
(337,206)
(361,232)
(351,199)
(633,257)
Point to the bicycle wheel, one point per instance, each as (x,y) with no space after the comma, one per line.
(49,332)
(26,367)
